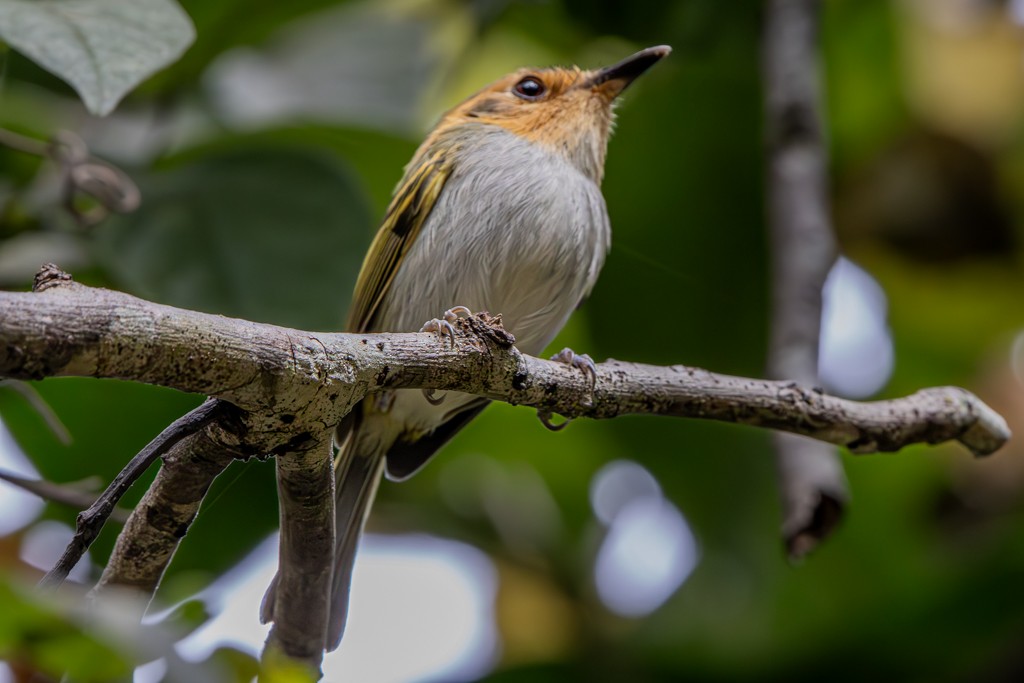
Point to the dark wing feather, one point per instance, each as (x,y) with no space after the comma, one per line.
(405,458)
(405,217)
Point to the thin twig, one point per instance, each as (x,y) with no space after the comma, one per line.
(65,494)
(160,521)
(23,143)
(81,173)
(91,521)
(811,480)
(32,397)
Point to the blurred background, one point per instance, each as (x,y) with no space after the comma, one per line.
(637,549)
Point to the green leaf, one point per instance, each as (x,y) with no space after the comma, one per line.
(40,631)
(276,668)
(242,665)
(275,235)
(103,48)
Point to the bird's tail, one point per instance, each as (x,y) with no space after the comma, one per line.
(358,471)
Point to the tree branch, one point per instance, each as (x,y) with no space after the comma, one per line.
(305,486)
(282,391)
(73,495)
(160,520)
(91,521)
(289,379)
(811,480)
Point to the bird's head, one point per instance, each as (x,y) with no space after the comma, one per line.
(566,110)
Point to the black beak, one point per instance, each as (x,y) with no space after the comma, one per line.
(619,76)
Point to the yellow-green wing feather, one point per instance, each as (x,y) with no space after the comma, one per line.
(405,217)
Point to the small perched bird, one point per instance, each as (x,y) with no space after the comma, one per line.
(499,210)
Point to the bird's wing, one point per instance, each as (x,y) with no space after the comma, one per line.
(405,216)
(406,458)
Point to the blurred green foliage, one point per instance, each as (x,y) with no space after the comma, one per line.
(257,203)
(53,635)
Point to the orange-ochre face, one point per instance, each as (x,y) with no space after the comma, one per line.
(566,111)
(558,108)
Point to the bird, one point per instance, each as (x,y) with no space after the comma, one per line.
(499,210)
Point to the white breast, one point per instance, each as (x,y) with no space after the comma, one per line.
(517,231)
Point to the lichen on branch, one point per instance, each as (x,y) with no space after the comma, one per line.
(312,379)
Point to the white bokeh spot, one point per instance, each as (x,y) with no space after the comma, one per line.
(649,550)
(856,354)
(43,545)
(616,485)
(428,599)
(17,508)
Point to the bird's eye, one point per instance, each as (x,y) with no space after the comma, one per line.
(529,88)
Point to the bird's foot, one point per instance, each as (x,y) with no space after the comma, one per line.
(545,419)
(431,398)
(442,327)
(583,363)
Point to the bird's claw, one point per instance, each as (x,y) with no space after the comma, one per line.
(583,363)
(443,326)
(545,419)
(453,313)
(431,399)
